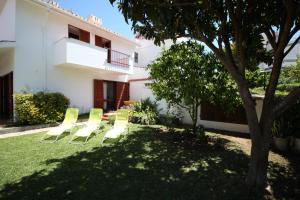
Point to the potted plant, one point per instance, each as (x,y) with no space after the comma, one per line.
(280,134)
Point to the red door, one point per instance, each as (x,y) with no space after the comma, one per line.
(122,93)
(98,93)
(6,96)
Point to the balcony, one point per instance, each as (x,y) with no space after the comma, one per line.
(74,53)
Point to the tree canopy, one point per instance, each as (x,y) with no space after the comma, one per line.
(238,32)
(176,79)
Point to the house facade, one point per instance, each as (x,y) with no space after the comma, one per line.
(46,48)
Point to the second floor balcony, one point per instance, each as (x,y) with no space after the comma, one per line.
(72,52)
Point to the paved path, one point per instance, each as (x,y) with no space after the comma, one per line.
(7,135)
(24,133)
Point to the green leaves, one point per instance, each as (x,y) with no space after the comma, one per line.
(186,75)
(40,108)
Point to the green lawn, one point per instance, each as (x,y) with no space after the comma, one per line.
(150,163)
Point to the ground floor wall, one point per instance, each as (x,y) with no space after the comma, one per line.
(139,90)
(77,84)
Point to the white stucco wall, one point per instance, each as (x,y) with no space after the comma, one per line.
(7,19)
(149,52)
(37,31)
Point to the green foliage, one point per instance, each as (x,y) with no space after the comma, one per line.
(287,124)
(291,74)
(146,117)
(145,112)
(255,78)
(173,116)
(26,111)
(146,104)
(111,119)
(40,108)
(185,75)
(200,132)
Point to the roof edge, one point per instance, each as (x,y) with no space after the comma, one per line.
(78,17)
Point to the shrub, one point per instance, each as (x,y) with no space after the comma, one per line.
(145,117)
(167,119)
(145,112)
(173,116)
(111,119)
(288,123)
(146,104)
(40,108)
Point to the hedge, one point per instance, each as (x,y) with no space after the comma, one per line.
(40,108)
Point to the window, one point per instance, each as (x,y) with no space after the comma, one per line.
(136,57)
(79,34)
(74,32)
(148,85)
(102,42)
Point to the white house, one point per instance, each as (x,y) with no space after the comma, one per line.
(44,47)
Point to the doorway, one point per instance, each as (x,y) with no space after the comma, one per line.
(6,96)
(109,96)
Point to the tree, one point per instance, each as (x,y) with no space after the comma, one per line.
(176,79)
(220,24)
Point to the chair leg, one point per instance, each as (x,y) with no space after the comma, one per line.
(43,137)
(72,138)
(56,138)
(86,139)
(101,143)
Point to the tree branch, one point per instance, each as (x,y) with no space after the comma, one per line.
(294,31)
(283,39)
(292,46)
(271,39)
(238,35)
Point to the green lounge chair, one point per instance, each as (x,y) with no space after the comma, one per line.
(120,126)
(66,126)
(92,125)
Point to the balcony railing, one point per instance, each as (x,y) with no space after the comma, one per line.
(118,58)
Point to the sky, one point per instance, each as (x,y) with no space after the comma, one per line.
(111,17)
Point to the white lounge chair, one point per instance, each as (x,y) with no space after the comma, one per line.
(66,126)
(92,125)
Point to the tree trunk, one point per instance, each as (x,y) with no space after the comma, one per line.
(260,133)
(195,119)
(257,173)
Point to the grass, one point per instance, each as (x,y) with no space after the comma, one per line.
(152,162)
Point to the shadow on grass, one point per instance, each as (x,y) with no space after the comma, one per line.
(147,164)
(285,180)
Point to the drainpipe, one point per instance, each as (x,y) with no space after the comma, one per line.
(45,47)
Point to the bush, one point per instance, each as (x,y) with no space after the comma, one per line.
(144,117)
(111,119)
(167,119)
(288,123)
(145,112)
(40,108)
(173,116)
(255,78)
